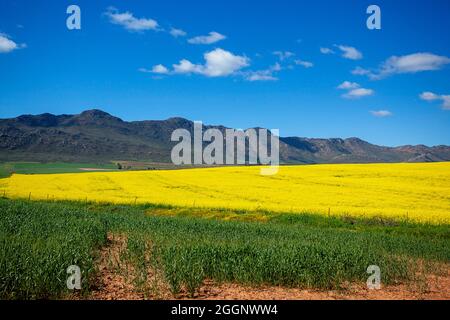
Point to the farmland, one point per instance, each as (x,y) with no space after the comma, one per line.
(412,192)
(8,168)
(178,253)
(167,233)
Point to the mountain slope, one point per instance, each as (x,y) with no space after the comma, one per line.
(97,135)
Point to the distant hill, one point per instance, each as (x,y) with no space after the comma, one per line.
(95,135)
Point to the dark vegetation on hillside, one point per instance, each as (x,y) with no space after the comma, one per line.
(95,135)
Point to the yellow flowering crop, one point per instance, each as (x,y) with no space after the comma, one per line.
(419,192)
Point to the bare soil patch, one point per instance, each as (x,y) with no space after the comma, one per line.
(437,288)
(111,283)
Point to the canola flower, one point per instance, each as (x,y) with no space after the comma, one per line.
(418,192)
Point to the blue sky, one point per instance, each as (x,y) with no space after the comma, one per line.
(274,64)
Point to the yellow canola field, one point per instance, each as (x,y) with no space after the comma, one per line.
(419,192)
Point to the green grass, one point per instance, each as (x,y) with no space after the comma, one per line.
(39,240)
(344,222)
(6,169)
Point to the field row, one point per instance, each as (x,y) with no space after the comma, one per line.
(415,192)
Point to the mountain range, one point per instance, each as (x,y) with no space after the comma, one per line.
(95,135)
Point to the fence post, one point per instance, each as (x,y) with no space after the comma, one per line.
(29,196)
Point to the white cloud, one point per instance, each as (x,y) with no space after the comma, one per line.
(218,63)
(276,67)
(354,90)
(177,33)
(303,63)
(263,75)
(326,50)
(381,113)
(260,76)
(430,96)
(347,85)
(350,52)
(283,55)
(412,63)
(8,45)
(185,66)
(129,22)
(159,69)
(223,63)
(358,93)
(446,102)
(360,71)
(212,37)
